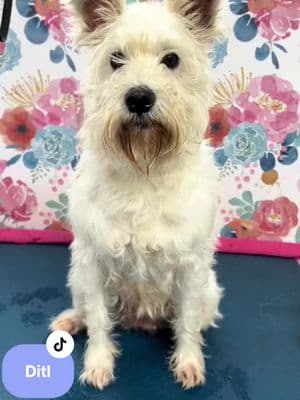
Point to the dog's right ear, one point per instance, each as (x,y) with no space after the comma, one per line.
(95,15)
(202,15)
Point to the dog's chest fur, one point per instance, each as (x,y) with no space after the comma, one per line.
(143,228)
(164,211)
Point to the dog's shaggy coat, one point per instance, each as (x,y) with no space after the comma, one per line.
(143,204)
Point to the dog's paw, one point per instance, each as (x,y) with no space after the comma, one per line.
(70,321)
(97,376)
(189,369)
(99,365)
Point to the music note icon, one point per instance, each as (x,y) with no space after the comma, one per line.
(60,345)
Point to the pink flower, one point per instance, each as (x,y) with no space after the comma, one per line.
(270,101)
(256,6)
(247,229)
(276,19)
(62,106)
(244,229)
(3,165)
(18,201)
(276,217)
(45,7)
(55,17)
(58,25)
(2,48)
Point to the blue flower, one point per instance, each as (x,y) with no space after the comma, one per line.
(245,27)
(47,19)
(227,232)
(12,54)
(35,29)
(220,158)
(219,52)
(55,146)
(245,143)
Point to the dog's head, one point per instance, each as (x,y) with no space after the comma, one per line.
(148,85)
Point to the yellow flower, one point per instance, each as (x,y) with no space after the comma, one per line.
(230,87)
(26,92)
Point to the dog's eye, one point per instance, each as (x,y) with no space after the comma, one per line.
(117,60)
(171,60)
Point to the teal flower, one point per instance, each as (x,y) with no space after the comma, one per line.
(55,146)
(245,143)
(219,52)
(12,54)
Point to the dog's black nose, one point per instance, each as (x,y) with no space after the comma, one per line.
(140,100)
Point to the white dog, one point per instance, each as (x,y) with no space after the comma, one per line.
(144,200)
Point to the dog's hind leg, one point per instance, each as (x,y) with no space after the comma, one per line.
(72,320)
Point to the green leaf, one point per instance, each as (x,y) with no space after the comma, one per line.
(63,198)
(236,202)
(240,211)
(247,216)
(296,142)
(249,209)
(256,205)
(298,236)
(53,204)
(13,160)
(247,196)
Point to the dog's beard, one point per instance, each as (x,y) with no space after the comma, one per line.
(144,142)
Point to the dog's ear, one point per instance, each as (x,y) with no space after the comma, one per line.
(97,14)
(200,13)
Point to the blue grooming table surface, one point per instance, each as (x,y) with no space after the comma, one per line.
(254,355)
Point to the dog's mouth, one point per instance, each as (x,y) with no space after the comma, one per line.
(142,122)
(144,140)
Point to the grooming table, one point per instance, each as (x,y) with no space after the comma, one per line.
(254,355)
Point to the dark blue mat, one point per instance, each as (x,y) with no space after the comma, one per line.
(254,355)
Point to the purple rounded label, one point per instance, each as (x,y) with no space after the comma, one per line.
(29,371)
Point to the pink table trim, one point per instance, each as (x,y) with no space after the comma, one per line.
(259,247)
(234,246)
(34,236)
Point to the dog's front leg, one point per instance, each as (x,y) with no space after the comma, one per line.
(101,350)
(187,361)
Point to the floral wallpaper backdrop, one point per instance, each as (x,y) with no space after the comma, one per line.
(254,129)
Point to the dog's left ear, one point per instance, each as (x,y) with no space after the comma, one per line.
(200,13)
(94,15)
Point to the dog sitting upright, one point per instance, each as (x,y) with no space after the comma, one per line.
(143,204)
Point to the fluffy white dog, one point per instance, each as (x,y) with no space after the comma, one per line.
(144,200)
